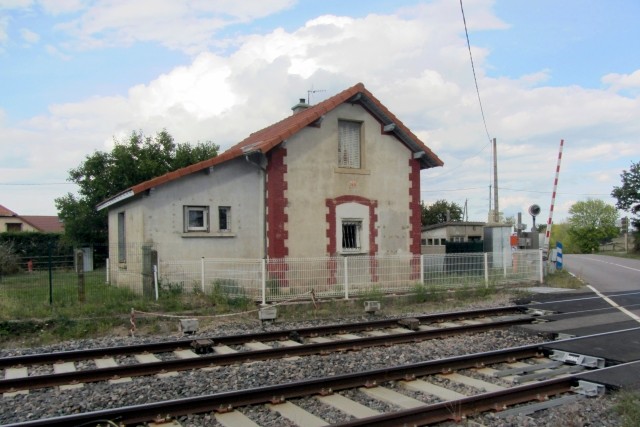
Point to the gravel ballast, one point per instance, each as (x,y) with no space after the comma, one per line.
(98,396)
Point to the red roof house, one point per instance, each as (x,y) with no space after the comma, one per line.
(338,178)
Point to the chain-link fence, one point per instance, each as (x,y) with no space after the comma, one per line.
(77,285)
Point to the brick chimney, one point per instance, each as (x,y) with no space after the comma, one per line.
(300,106)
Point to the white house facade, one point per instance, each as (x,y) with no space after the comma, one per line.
(338,178)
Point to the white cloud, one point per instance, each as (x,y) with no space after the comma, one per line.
(187,26)
(622,81)
(54,51)
(57,7)
(15,4)
(415,61)
(29,36)
(4,27)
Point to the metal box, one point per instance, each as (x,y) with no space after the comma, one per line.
(371,306)
(267,313)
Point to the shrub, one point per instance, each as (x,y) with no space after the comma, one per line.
(9,260)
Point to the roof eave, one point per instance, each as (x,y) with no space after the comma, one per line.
(115,199)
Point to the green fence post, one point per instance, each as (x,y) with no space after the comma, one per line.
(50,273)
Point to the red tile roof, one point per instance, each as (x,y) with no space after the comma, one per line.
(269,137)
(44,223)
(6,212)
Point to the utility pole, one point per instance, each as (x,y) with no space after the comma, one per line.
(496,210)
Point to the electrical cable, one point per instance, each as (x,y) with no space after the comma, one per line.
(473,68)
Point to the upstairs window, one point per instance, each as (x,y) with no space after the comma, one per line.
(349,144)
(224,218)
(351,234)
(196,218)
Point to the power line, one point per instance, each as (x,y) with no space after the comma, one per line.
(473,68)
(36,183)
(475,80)
(514,189)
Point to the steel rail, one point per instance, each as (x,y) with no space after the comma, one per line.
(142,369)
(160,347)
(457,410)
(227,401)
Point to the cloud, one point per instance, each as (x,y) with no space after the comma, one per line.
(58,7)
(4,27)
(15,4)
(186,26)
(619,82)
(29,36)
(414,60)
(54,51)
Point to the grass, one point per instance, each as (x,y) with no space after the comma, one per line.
(628,407)
(631,255)
(27,314)
(32,307)
(562,279)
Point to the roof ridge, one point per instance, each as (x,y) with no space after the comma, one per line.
(270,136)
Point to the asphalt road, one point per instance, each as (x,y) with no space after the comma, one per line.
(605,273)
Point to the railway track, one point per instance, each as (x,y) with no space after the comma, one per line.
(415,394)
(100,364)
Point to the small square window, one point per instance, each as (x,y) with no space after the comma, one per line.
(13,227)
(224,218)
(351,232)
(196,218)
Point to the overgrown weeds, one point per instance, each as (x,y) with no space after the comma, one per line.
(628,407)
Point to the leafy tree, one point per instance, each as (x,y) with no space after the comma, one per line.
(591,223)
(102,175)
(560,233)
(439,211)
(628,196)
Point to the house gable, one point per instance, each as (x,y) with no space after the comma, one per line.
(268,138)
(11,221)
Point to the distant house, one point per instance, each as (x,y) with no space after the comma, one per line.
(12,222)
(338,178)
(435,236)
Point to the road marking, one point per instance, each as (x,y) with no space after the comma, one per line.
(614,304)
(613,263)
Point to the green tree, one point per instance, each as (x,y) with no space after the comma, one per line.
(591,223)
(440,212)
(104,174)
(560,233)
(628,196)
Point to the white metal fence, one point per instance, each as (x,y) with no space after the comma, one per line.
(282,279)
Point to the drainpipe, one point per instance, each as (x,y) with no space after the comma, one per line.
(258,159)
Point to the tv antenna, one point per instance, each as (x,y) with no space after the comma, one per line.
(312,90)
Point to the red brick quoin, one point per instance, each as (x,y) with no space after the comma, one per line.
(277,233)
(415,215)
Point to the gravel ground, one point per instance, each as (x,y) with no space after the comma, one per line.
(52,402)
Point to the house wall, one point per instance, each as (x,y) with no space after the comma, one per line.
(158,217)
(14,220)
(315,185)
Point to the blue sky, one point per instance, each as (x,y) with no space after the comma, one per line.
(76,74)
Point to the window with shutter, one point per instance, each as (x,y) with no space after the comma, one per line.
(349,144)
